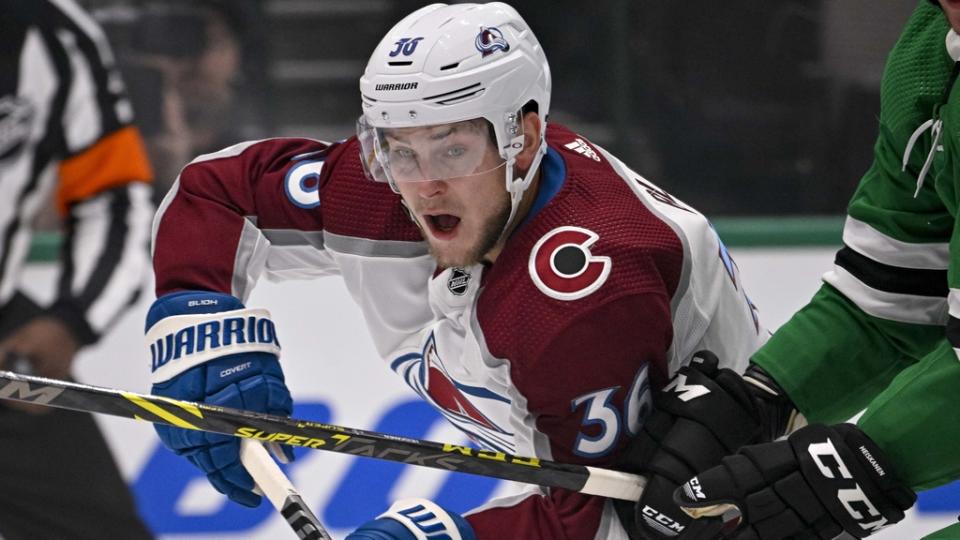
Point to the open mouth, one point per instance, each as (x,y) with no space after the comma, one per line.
(443,226)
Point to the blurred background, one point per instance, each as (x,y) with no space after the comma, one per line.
(760,114)
(739,108)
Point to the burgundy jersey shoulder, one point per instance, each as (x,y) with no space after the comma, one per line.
(306,185)
(596,238)
(359,207)
(598,198)
(595,243)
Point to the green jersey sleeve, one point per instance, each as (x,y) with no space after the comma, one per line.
(875,335)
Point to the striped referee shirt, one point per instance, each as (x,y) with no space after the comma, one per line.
(65,129)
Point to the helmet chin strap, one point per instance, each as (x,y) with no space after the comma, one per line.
(516,189)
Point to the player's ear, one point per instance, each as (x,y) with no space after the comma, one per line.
(531,140)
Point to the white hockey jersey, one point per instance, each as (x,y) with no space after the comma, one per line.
(607,287)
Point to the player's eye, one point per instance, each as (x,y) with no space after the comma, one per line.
(455,151)
(402,154)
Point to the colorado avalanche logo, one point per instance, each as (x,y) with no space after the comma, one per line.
(562,266)
(456,401)
(444,391)
(490,40)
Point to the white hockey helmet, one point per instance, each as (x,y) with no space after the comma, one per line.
(445,64)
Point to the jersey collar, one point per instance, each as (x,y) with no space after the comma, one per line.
(553,172)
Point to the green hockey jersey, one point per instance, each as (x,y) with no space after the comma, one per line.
(883,332)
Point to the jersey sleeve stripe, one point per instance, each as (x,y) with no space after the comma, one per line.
(293,237)
(893,279)
(252,252)
(884,249)
(99,169)
(898,307)
(374,248)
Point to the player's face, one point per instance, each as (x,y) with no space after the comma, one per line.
(461,217)
(951,8)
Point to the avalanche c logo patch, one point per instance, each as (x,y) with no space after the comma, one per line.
(562,266)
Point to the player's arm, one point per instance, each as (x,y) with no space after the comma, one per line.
(213,239)
(870,338)
(102,194)
(883,306)
(245,211)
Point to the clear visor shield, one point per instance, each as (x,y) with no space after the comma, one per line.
(425,153)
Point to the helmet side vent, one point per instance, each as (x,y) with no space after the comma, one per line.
(453,94)
(461,97)
(400,63)
(449,66)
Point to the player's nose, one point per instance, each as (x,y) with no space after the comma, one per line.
(431,188)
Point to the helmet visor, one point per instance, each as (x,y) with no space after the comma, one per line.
(425,153)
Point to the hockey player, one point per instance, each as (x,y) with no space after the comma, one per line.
(882,334)
(521,279)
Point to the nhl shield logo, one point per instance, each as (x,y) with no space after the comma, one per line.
(459,281)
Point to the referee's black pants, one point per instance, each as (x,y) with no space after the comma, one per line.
(58,480)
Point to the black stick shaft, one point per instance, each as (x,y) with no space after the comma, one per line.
(294,432)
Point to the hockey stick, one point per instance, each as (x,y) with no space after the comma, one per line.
(280,492)
(294,432)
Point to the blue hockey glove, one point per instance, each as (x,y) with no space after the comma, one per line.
(415,519)
(207,347)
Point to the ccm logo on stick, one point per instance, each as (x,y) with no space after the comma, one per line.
(562,266)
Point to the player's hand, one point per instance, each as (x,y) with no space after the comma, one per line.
(45,346)
(819,482)
(703,414)
(207,347)
(414,519)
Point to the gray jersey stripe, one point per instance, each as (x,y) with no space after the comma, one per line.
(352,245)
(293,237)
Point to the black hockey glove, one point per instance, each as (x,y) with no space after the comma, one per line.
(703,414)
(819,482)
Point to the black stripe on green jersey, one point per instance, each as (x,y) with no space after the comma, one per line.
(893,279)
